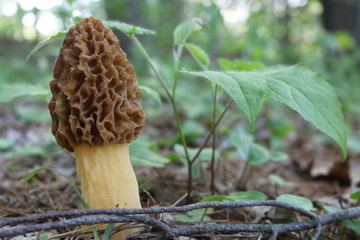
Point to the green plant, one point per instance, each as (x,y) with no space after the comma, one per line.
(354,224)
(295,86)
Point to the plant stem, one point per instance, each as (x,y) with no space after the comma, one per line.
(171,98)
(227,106)
(176,68)
(152,65)
(189,182)
(212,164)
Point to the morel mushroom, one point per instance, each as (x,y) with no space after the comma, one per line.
(96,112)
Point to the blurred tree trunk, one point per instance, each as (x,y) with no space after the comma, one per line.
(342,15)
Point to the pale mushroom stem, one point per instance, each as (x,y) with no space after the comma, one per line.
(107,177)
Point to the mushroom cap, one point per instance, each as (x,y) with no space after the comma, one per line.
(96,97)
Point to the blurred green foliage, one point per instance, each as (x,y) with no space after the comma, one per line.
(238,35)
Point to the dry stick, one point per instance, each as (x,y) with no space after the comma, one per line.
(152,210)
(273,229)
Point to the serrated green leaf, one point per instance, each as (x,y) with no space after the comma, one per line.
(154,94)
(354,224)
(142,155)
(183,31)
(310,95)
(355,195)
(47,41)
(198,53)
(9,92)
(278,180)
(247,196)
(127,28)
(216,198)
(297,87)
(245,88)
(297,201)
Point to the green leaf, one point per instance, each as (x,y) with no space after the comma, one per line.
(310,95)
(237,65)
(183,31)
(43,236)
(296,200)
(258,154)
(154,94)
(33,113)
(205,155)
(30,175)
(278,156)
(345,41)
(242,141)
(47,41)
(237,196)
(127,28)
(248,196)
(278,180)
(253,153)
(245,88)
(297,87)
(9,92)
(108,231)
(28,150)
(354,224)
(5,143)
(194,215)
(216,198)
(76,19)
(355,195)
(192,130)
(198,53)
(142,155)
(226,64)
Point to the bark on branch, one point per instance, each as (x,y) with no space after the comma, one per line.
(95,216)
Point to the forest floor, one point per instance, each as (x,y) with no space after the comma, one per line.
(315,171)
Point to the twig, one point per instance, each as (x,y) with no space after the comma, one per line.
(152,210)
(117,215)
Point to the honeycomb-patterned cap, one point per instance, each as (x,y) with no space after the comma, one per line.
(96,98)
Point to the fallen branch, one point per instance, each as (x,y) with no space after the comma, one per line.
(95,216)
